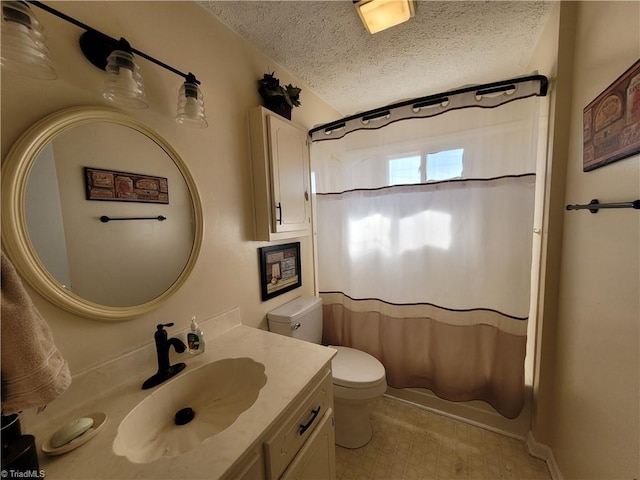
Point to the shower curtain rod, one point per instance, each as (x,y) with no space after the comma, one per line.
(488,95)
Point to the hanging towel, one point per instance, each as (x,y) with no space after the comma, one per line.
(33,371)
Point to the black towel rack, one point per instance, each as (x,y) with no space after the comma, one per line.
(595,205)
(105,219)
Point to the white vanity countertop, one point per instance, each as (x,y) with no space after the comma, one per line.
(289,365)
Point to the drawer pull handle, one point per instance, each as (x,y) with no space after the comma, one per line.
(304,428)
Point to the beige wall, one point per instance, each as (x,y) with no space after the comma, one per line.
(105,261)
(588,404)
(183,35)
(587,390)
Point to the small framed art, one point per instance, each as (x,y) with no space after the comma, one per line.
(117,186)
(611,122)
(279,269)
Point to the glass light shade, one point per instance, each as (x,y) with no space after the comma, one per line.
(124,83)
(24,48)
(191,106)
(378,15)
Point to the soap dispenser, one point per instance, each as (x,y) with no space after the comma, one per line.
(195,338)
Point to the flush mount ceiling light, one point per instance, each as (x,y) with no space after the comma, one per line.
(123,84)
(378,15)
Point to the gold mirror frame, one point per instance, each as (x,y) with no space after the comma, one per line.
(15,237)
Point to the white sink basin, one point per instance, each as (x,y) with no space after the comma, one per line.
(218,393)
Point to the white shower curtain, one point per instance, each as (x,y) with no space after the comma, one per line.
(424,236)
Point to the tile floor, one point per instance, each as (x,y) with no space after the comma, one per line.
(410,442)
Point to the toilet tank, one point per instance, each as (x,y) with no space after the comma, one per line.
(300,318)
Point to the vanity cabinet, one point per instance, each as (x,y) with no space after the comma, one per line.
(250,467)
(317,458)
(301,443)
(286,432)
(305,440)
(281,178)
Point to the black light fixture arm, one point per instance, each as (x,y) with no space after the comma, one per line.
(91,36)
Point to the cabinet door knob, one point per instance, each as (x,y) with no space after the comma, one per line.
(306,196)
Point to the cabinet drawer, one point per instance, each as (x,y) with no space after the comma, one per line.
(317,457)
(282,447)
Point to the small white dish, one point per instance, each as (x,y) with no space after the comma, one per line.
(99,420)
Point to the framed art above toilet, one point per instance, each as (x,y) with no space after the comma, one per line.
(279,269)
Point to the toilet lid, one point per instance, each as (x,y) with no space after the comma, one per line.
(356,369)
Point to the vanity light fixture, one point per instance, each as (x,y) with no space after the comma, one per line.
(123,83)
(23,43)
(191,104)
(378,15)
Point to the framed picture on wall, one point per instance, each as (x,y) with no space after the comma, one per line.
(279,269)
(117,186)
(611,123)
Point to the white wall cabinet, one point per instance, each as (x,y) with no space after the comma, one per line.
(281,181)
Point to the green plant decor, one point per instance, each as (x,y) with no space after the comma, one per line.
(276,97)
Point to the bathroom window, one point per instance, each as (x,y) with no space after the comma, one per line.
(444,165)
(405,170)
(426,168)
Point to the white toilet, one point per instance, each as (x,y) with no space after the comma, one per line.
(358,378)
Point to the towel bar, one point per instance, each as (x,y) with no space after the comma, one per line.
(595,205)
(105,219)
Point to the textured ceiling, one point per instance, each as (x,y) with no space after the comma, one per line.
(446,45)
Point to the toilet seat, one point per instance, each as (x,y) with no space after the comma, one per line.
(356,369)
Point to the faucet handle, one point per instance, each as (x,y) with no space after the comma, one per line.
(161,325)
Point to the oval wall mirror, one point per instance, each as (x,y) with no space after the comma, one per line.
(100,214)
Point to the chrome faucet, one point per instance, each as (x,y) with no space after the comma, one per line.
(165,369)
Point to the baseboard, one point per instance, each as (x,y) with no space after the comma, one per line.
(545,453)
